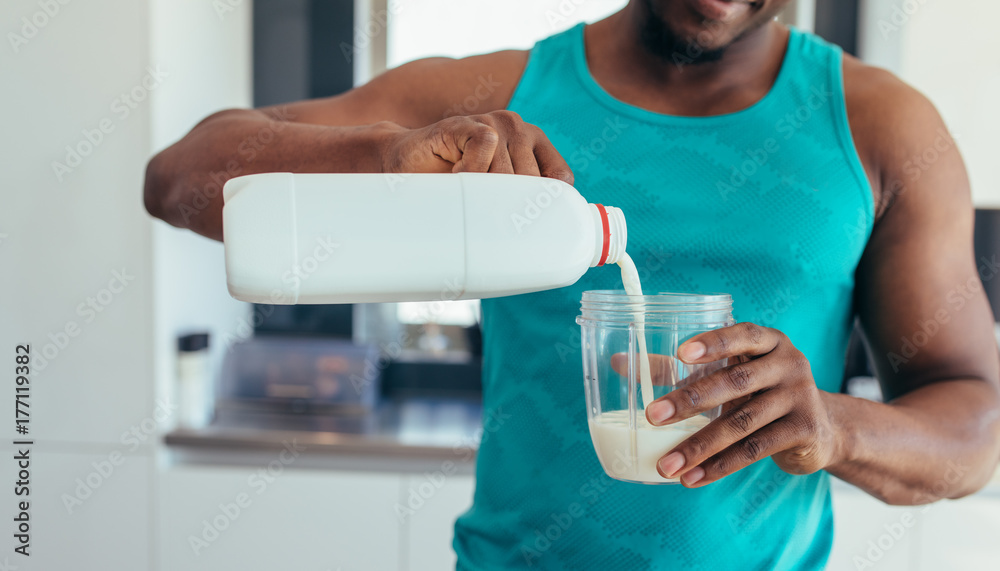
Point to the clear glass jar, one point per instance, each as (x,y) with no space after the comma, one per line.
(612,324)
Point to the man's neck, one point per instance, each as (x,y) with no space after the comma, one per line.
(629,71)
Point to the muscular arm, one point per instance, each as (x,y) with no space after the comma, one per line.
(345,133)
(924,314)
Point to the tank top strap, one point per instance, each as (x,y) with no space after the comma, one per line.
(550,65)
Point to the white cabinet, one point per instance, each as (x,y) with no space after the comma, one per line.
(429,528)
(236,517)
(220,518)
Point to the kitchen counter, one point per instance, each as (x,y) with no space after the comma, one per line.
(409,435)
(399,435)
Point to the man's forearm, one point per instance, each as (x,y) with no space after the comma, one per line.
(184,182)
(939,441)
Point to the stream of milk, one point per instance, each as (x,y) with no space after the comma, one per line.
(630,278)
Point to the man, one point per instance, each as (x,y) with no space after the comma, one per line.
(748,158)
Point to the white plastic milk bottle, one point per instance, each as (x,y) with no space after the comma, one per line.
(358,238)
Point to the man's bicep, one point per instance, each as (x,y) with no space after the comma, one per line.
(920,301)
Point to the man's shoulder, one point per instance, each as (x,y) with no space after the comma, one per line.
(881,93)
(891,122)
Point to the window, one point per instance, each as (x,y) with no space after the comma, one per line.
(459,28)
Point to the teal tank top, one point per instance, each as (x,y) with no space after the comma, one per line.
(770,204)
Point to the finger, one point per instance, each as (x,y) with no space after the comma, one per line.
(767,441)
(477,143)
(501,161)
(550,163)
(734,425)
(718,388)
(697,372)
(428,150)
(733,341)
(663,368)
(521,157)
(435,164)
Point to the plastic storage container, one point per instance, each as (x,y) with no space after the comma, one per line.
(354,238)
(627,446)
(302,375)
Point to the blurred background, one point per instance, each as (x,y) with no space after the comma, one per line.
(175,428)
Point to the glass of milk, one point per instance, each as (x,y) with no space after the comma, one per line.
(625,339)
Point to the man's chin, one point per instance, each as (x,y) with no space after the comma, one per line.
(676,30)
(690,44)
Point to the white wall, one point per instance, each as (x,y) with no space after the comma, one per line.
(66,238)
(63,241)
(951,52)
(145,71)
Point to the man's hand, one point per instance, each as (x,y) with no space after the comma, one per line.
(498,142)
(772,408)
